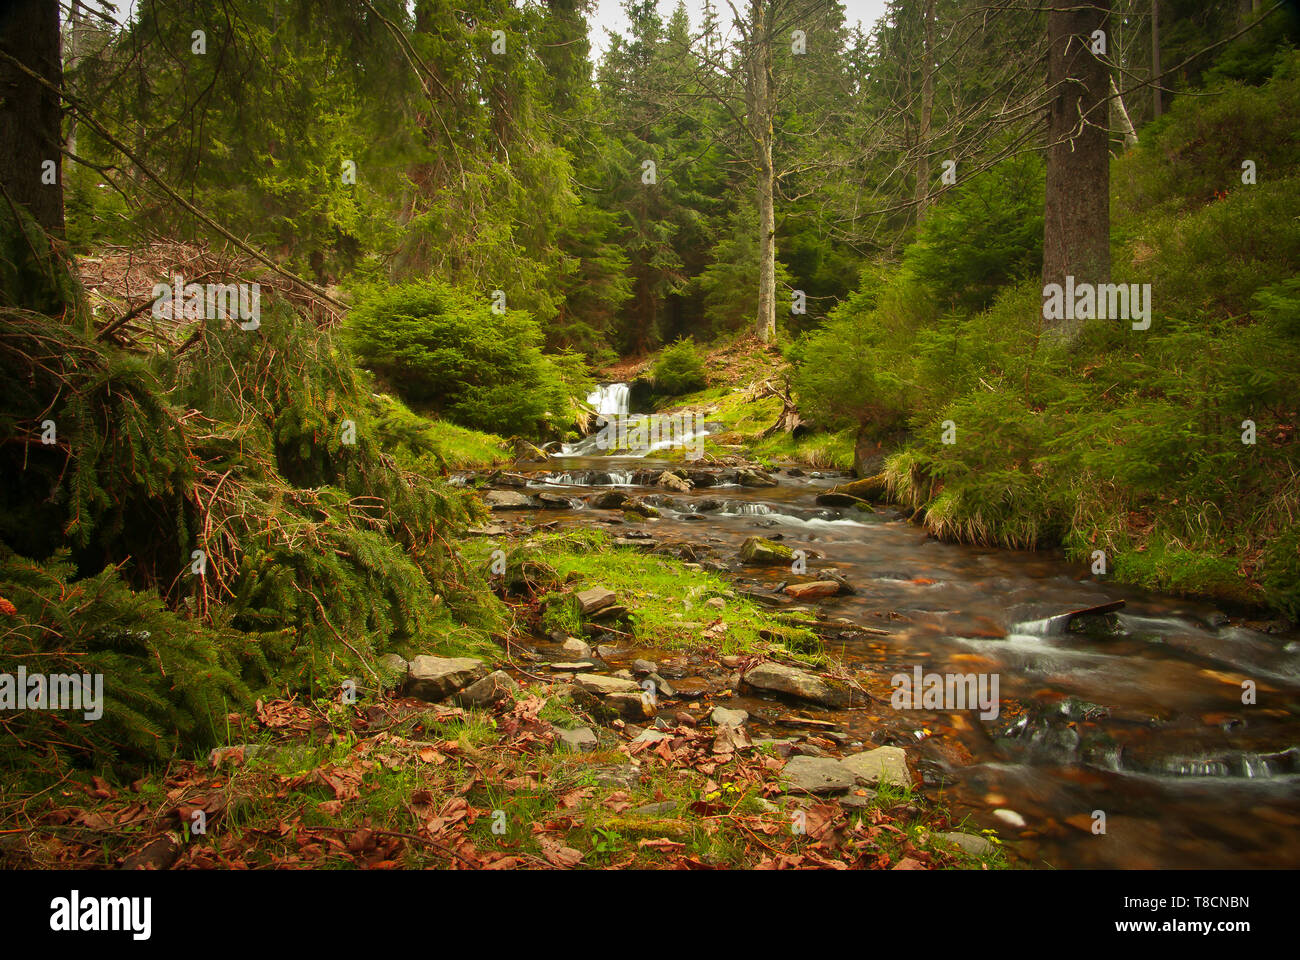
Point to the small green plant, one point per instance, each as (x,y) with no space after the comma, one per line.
(679,369)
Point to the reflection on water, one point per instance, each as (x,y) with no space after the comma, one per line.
(1139,717)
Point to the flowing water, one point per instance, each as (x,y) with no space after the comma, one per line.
(1140,719)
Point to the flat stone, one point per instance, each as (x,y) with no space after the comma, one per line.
(573,665)
(644,666)
(792,681)
(651,736)
(655,809)
(807,750)
(816,775)
(508,500)
(970,843)
(882,765)
(724,717)
(852,801)
(624,775)
(603,686)
(662,687)
(495,687)
(813,590)
(689,688)
(579,740)
(436,678)
(595,598)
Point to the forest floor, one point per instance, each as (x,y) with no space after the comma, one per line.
(537,772)
(409,784)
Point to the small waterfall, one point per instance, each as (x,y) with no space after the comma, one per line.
(610,399)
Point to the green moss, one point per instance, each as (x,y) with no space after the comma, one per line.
(666,600)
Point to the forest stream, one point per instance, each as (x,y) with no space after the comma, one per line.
(1139,715)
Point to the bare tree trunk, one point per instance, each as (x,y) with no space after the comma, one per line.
(1155,58)
(927,112)
(30,113)
(1126,123)
(761,119)
(1076,233)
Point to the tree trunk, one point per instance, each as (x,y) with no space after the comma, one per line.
(30,113)
(1126,122)
(927,111)
(765,323)
(1076,233)
(1155,59)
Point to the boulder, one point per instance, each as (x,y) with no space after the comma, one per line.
(495,687)
(436,678)
(749,477)
(762,550)
(526,452)
(868,488)
(670,481)
(882,765)
(816,775)
(793,682)
(609,500)
(553,501)
(639,508)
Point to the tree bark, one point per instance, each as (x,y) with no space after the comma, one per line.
(31,116)
(1155,59)
(1126,122)
(761,120)
(1076,231)
(927,111)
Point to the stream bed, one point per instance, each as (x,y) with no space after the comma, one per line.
(1140,720)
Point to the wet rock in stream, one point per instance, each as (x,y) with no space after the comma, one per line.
(793,682)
